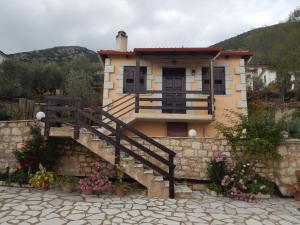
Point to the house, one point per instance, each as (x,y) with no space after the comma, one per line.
(158,114)
(2,57)
(172,93)
(263,72)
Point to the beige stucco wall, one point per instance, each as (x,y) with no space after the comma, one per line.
(234,99)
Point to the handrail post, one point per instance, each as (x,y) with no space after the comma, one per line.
(209,105)
(77,127)
(47,123)
(118,143)
(171,176)
(137,103)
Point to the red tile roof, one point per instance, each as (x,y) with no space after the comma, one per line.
(105,53)
(181,50)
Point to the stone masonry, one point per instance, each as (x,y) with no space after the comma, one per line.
(12,135)
(192,155)
(76,160)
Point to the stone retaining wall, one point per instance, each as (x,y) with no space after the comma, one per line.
(12,134)
(74,159)
(191,158)
(192,155)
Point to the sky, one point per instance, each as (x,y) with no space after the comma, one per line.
(27,25)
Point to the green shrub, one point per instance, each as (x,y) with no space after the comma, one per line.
(60,181)
(253,138)
(20,177)
(293,125)
(36,151)
(5,114)
(261,185)
(217,168)
(215,187)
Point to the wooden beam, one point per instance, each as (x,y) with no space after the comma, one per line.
(170,56)
(212,87)
(137,74)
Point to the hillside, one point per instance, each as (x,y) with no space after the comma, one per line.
(56,54)
(268,43)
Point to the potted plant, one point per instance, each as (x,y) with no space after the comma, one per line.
(42,179)
(119,186)
(66,184)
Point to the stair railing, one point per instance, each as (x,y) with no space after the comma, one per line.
(119,108)
(74,108)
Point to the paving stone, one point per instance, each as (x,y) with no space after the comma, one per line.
(75,216)
(24,206)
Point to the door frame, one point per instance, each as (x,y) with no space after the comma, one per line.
(182,97)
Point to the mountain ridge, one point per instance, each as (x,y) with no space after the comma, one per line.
(56,54)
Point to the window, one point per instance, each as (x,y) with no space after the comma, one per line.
(177,129)
(128,79)
(219,80)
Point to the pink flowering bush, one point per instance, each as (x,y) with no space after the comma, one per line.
(96,182)
(218,168)
(238,181)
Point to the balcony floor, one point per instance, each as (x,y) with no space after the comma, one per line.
(172,117)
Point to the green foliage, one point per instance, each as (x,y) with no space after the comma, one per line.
(216,170)
(261,185)
(215,187)
(293,125)
(20,177)
(5,115)
(253,138)
(277,45)
(238,180)
(36,151)
(83,78)
(295,15)
(61,54)
(69,181)
(79,77)
(31,80)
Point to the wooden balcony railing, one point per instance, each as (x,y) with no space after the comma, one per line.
(173,101)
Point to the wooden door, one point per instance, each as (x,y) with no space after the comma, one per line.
(174,90)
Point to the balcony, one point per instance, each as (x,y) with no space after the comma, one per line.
(167,106)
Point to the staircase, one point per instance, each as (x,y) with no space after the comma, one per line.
(83,126)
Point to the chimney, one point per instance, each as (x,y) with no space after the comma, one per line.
(121,41)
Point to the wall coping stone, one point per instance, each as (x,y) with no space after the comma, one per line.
(16,121)
(292,140)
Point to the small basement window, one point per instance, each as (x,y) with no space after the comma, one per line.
(177,129)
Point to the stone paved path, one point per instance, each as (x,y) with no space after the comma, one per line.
(25,206)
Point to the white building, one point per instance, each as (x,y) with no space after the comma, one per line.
(263,72)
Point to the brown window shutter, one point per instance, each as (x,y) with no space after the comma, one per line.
(128,79)
(219,80)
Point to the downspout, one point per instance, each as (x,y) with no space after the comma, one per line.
(249,60)
(212,97)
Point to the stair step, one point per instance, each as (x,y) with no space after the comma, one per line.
(95,139)
(128,158)
(182,189)
(158,178)
(148,171)
(138,165)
